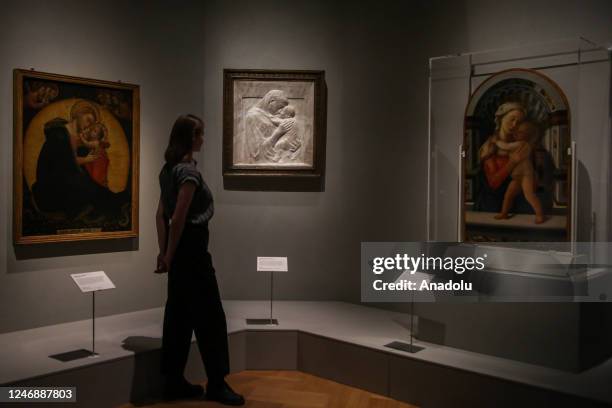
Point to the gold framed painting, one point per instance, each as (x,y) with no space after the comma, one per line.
(75,157)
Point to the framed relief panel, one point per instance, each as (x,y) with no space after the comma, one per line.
(274,130)
(76,147)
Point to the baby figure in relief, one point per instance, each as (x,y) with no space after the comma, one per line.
(288,139)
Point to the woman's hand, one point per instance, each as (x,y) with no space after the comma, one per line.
(294,146)
(267,145)
(487,149)
(162,266)
(92,156)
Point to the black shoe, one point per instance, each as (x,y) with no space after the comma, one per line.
(182,389)
(223,394)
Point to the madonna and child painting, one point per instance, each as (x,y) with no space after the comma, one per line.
(75,158)
(517,160)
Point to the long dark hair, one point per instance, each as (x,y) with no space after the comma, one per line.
(181,138)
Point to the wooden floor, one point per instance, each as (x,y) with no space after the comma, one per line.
(289,389)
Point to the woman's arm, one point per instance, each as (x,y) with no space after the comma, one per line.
(177,222)
(276,121)
(162,234)
(91,156)
(277,134)
(268,144)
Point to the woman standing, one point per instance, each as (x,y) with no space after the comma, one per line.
(193,303)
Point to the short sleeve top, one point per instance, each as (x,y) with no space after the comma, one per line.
(171,178)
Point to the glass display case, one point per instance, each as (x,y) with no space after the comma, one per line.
(519,159)
(559,96)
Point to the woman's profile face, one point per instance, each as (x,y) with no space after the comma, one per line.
(198,138)
(276,104)
(511,120)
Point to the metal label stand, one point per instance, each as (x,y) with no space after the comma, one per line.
(93,325)
(407,347)
(82,353)
(87,282)
(270,320)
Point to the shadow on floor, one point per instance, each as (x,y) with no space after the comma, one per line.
(147,381)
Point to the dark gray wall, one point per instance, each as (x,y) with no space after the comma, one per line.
(376,140)
(375,55)
(155,45)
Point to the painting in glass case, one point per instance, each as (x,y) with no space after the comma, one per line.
(516,160)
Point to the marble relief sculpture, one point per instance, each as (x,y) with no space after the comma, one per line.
(274,129)
(273,133)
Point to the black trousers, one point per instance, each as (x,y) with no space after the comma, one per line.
(194,305)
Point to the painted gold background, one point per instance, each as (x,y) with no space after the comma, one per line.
(118,152)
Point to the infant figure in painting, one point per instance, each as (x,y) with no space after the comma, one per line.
(95,138)
(286,134)
(523,174)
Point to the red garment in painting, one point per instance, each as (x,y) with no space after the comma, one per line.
(98,169)
(495,170)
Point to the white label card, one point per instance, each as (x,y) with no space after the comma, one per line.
(92,281)
(272,263)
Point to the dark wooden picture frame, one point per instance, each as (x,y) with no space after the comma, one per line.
(257,158)
(75,158)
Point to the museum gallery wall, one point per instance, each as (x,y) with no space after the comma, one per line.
(370,66)
(105,54)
